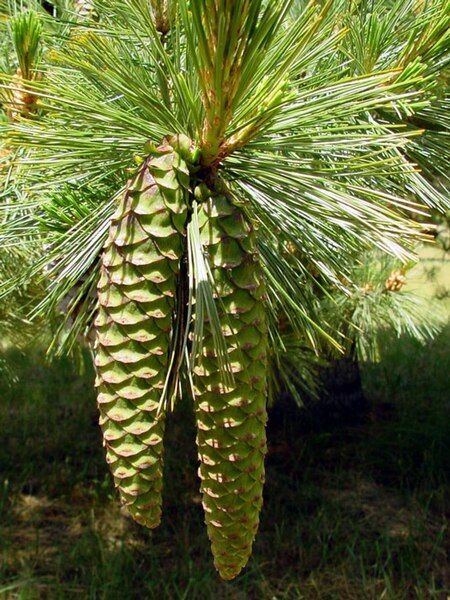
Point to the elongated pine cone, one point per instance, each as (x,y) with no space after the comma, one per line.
(136,294)
(231,420)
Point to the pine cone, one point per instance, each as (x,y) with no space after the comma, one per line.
(136,294)
(231,420)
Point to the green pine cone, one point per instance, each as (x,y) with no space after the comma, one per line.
(231,421)
(136,294)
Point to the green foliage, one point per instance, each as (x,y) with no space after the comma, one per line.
(380,301)
(26,32)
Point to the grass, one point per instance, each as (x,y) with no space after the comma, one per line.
(356,513)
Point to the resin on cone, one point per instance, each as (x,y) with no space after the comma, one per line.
(136,294)
(231,420)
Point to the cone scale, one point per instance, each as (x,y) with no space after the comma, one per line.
(231,420)
(136,294)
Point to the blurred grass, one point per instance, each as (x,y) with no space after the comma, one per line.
(357,513)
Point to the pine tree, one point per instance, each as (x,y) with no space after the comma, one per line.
(200,170)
